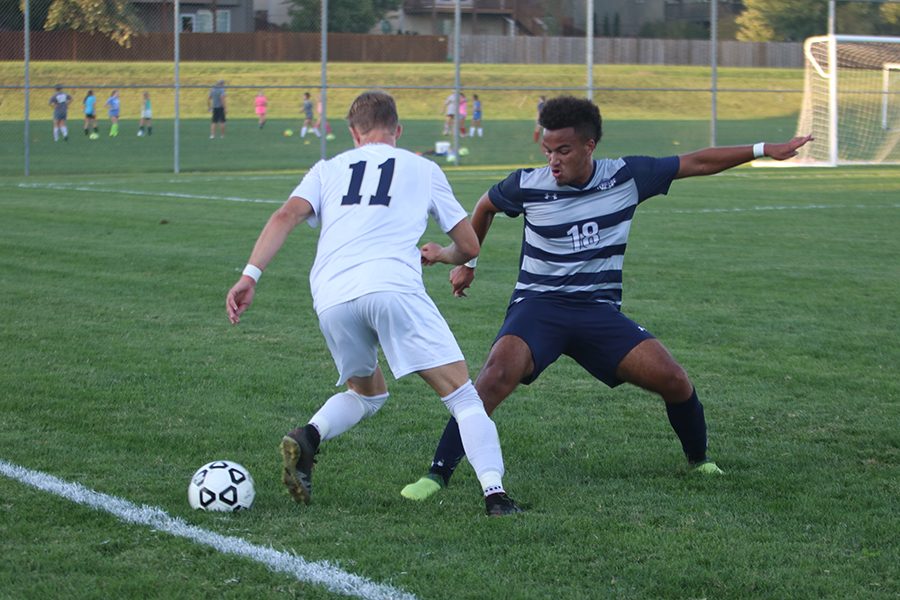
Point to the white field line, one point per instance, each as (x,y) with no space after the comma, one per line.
(65,187)
(319,573)
(746,209)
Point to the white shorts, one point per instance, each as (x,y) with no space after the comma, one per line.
(147,114)
(409,328)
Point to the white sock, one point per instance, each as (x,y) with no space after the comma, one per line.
(471,131)
(480,132)
(55,133)
(316,131)
(344,410)
(303,132)
(479,437)
(65,131)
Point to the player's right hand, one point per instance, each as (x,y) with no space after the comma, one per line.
(461,278)
(239,298)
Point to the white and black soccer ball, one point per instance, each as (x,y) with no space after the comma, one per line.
(221,485)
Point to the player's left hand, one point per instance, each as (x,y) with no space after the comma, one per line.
(788,149)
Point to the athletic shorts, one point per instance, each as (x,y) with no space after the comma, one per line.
(411,332)
(218,115)
(60,115)
(595,334)
(147,114)
(90,116)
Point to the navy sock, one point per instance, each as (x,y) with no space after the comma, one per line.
(449,452)
(312,434)
(689,423)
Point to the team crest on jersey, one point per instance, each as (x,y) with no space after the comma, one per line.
(607,184)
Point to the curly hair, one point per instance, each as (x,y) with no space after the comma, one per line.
(579,113)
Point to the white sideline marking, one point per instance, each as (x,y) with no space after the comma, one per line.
(319,572)
(87,188)
(739,209)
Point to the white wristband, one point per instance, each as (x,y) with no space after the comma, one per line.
(759,149)
(252,271)
(471,264)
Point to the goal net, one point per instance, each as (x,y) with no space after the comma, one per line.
(851,100)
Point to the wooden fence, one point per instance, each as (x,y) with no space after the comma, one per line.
(347,47)
(261,46)
(557,50)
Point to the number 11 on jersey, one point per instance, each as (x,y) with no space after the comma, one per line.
(381,196)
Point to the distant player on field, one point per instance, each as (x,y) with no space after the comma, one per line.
(568,296)
(113,106)
(215,103)
(146,122)
(373,204)
(261,106)
(537,122)
(60,103)
(308,116)
(476,117)
(90,113)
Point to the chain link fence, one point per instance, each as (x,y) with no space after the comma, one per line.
(655,95)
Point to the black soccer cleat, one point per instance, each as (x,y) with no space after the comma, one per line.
(500,505)
(299,456)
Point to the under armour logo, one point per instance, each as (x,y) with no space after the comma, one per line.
(550,196)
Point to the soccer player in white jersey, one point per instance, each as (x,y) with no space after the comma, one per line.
(567,299)
(372,204)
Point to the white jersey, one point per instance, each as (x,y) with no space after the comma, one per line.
(373,204)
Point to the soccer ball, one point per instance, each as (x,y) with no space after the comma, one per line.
(94,136)
(288,132)
(221,485)
(330,137)
(463,151)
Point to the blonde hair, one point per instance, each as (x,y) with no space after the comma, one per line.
(373,110)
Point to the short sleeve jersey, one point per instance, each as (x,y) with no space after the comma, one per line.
(216,95)
(575,237)
(113,104)
(90,103)
(60,103)
(373,204)
(308,109)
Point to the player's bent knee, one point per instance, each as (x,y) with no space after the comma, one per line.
(371,404)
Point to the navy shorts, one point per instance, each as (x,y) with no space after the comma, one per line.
(218,115)
(595,334)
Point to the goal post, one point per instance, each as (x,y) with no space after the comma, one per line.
(851,100)
(890,89)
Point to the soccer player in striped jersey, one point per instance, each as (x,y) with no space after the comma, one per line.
(577,213)
(373,203)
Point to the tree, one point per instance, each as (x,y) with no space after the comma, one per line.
(782,20)
(115,19)
(346,16)
(796,20)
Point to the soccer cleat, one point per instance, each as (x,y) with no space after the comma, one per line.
(424,488)
(500,505)
(299,457)
(707,468)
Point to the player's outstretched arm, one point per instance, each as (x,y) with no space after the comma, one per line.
(280,224)
(715,160)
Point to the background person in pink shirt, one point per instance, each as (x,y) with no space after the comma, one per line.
(262,104)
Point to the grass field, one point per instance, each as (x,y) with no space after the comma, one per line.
(777,289)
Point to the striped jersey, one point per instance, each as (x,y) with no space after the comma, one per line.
(575,237)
